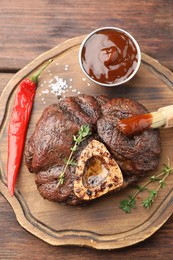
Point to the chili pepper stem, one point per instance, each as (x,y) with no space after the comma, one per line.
(34,77)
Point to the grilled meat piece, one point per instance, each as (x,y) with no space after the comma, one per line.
(52,140)
(46,182)
(82,109)
(135,155)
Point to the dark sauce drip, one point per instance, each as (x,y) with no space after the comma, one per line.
(109,56)
(135,125)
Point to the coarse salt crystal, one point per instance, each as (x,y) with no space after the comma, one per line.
(45,91)
(58,86)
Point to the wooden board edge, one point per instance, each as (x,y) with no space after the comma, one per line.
(85,239)
(162,72)
(15,203)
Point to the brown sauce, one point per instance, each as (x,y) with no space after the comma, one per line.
(109,56)
(135,125)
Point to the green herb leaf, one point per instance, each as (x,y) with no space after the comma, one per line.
(162,184)
(72,162)
(154,178)
(128,204)
(84,131)
(140,188)
(74,148)
(147,203)
(124,205)
(61,179)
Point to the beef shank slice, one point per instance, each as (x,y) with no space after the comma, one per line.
(137,154)
(51,141)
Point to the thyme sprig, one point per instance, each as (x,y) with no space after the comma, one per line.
(128,204)
(83,132)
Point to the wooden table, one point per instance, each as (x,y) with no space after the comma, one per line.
(29,28)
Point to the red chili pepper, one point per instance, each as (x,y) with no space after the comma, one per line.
(18,125)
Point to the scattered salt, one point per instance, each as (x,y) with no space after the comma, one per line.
(45,91)
(58,86)
(88,84)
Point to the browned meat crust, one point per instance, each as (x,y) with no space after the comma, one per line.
(53,137)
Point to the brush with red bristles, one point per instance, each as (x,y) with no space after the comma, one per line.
(163,117)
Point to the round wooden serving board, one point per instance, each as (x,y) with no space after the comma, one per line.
(102,225)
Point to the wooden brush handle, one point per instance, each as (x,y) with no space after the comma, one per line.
(168,114)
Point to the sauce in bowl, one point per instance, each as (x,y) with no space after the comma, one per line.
(110,56)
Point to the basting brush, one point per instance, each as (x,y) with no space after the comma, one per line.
(163,117)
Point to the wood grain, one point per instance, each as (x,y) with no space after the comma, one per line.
(27,29)
(82,228)
(45,24)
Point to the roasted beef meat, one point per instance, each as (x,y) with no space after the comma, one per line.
(52,140)
(137,154)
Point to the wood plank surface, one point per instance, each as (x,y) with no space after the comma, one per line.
(28,28)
